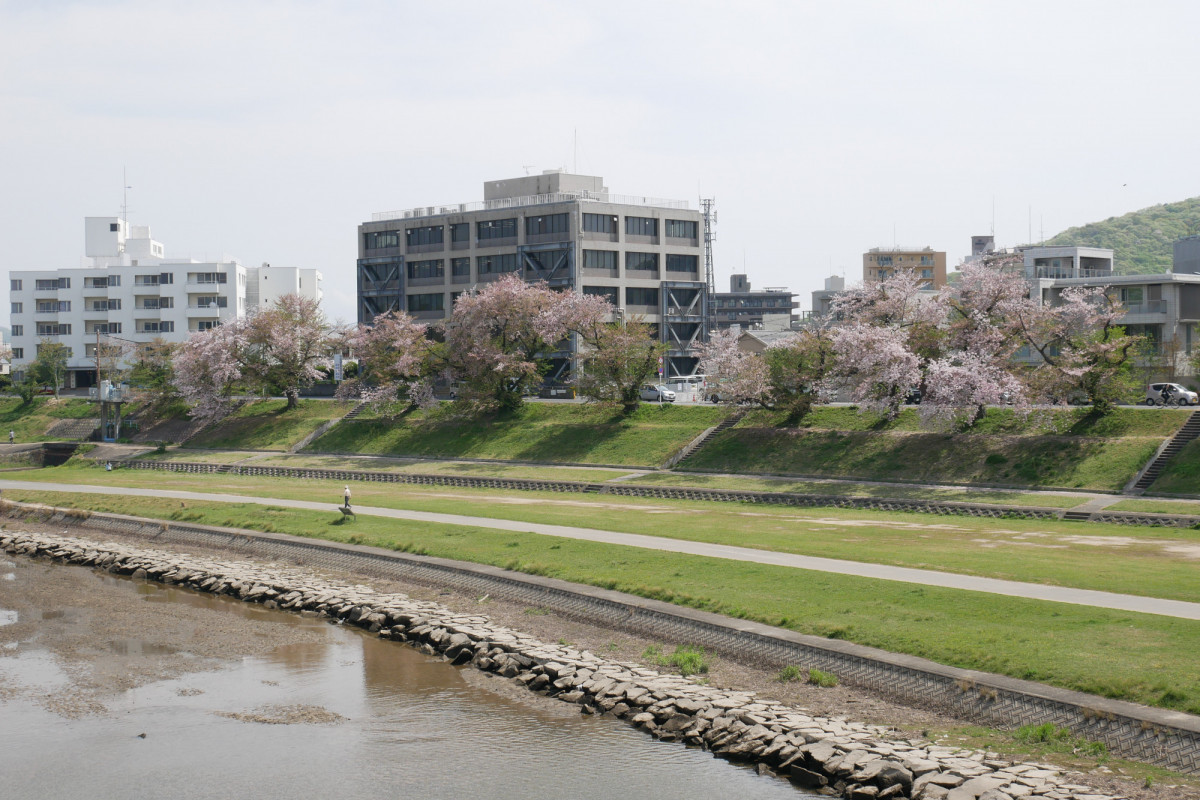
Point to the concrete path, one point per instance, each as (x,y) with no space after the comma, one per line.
(949,580)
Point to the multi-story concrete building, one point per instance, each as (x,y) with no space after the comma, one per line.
(129,291)
(767,309)
(880,263)
(644,254)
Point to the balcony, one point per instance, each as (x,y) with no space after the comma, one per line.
(1148,307)
(206,310)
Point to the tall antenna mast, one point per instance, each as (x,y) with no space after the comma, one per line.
(125,198)
(710,219)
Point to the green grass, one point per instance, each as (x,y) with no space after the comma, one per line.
(541,432)
(1181,475)
(483,470)
(30,423)
(197,456)
(1122,559)
(791,485)
(1153,505)
(268,425)
(826,680)
(1141,658)
(686,659)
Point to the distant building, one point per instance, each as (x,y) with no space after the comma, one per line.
(1187,256)
(929,265)
(1065,261)
(822,299)
(130,291)
(766,309)
(982,245)
(645,255)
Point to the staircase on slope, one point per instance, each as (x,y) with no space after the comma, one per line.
(354,412)
(703,438)
(1189,431)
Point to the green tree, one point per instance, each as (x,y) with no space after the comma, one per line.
(50,366)
(154,372)
(621,356)
(796,369)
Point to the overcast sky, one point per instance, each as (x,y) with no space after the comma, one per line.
(268,131)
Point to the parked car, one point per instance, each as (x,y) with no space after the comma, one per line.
(657,394)
(1161,394)
(913,396)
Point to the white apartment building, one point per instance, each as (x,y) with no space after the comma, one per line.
(129,291)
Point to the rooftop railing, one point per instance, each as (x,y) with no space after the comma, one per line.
(503,203)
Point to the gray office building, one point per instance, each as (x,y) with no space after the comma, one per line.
(644,254)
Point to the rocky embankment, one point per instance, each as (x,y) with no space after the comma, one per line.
(829,756)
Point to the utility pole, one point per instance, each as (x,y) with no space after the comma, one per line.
(710,219)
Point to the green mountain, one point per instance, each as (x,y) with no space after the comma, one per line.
(1142,241)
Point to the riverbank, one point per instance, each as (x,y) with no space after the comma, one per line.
(788,723)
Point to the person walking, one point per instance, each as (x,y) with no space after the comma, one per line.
(12,435)
(347,494)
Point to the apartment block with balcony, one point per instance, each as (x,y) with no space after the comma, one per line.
(768,309)
(128,292)
(645,255)
(929,265)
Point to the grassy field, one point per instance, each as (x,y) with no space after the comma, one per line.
(1143,658)
(268,425)
(482,470)
(1140,561)
(1155,505)
(1066,449)
(545,432)
(765,484)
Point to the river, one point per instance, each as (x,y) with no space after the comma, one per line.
(112,688)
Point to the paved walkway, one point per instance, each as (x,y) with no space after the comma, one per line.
(949,580)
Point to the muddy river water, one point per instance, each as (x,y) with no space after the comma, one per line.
(112,688)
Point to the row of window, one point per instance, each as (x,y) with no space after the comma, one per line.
(547,224)
(592,259)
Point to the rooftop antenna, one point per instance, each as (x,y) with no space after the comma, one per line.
(528,167)
(993,216)
(125,198)
(710,220)
(575,154)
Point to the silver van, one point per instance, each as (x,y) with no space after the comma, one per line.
(1162,394)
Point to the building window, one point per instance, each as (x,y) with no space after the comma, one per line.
(1132,295)
(51,284)
(52,306)
(113,280)
(146,280)
(454,298)
(95,283)
(926,273)
(167,278)
(600,259)
(641,226)
(434,268)
(212,301)
(609,293)
(885,261)
(18,352)
(431,234)
(52,329)
(681,229)
(166,326)
(380,240)
(496,229)
(637,296)
(460,232)
(550,223)
(677,263)
(460,267)
(17,308)
(18,330)
(203,277)
(426,302)
(486,265)
(644,262)
(926,261)
(206,324)
(113,227)
(600,223)
(14,285)
(114,305)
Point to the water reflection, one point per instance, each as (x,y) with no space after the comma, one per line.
(413,726)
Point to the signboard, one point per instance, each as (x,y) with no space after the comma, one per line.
(337,366)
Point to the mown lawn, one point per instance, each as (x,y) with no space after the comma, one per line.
(31,422)
(1138,561)
(1142,658)
(268,425)
(545,432)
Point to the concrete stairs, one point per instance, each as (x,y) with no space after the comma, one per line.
(324,429)
(1189,431)
(354,412)
(691,447)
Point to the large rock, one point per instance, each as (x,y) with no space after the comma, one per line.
(884,773)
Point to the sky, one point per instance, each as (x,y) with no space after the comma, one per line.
(267,131)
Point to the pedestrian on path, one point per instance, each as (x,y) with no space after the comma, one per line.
(12,435)
(347,497)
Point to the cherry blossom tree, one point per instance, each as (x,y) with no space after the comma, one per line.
(619,358)
(1081,347)
(734,376)
(286,345)
(208,367)
(497,338)
(399,361)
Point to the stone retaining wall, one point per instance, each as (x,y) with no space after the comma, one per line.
(845,759)
(664,492)
(1155,736)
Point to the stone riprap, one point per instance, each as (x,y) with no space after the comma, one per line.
(832,756)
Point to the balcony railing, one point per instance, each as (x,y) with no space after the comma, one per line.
(1149,307)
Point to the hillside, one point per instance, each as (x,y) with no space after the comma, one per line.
(1143,240)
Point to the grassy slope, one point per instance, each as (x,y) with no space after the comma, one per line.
(535,432)
(1143,658)
(1062,448)
(1182,473)
(31,422)
(1143,240)
(268,425)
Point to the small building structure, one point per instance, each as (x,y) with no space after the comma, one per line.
(881,263)
(766,309)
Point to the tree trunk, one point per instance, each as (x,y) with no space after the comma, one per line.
(293,398)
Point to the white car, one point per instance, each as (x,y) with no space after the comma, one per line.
(1160,394)
(657,394)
